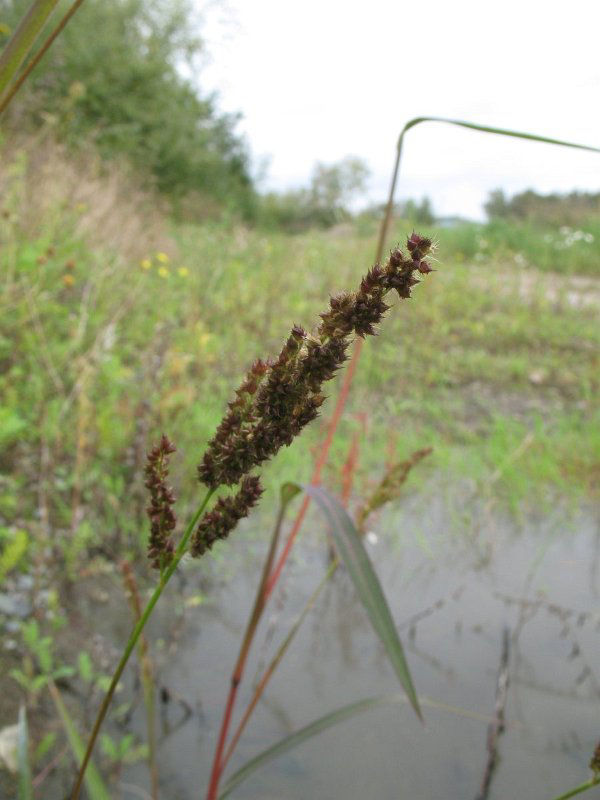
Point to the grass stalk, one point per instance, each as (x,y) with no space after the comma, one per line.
(236,677)
(23,39)
(38,56)
(583,787)
(267,674)
(148,684)
(269,579)
(133,639)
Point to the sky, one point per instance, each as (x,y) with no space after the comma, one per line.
(318,80)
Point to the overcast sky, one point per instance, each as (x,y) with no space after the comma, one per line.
(317,80)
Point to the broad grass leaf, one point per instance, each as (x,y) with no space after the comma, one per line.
(352,552)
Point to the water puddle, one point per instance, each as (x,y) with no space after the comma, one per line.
(452,589)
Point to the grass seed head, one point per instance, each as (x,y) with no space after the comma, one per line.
(279,398)
(160,511)
(218,523)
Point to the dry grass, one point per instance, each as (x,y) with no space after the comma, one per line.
(107,203)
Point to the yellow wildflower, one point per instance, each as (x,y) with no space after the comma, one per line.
(163,258)
(183,271)
(163,272)
(68,279)
(145,263)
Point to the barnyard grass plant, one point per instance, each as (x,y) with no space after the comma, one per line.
(276,400)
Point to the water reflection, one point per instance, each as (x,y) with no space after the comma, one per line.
(451,592)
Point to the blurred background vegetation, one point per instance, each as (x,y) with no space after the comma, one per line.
(133,232)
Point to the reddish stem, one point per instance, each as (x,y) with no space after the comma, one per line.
(270,577)
(217,768)
(321,461)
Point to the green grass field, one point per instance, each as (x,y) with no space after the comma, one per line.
(107,342)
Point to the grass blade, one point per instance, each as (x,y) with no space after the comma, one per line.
(25,785)
(328,721)
(352,552)
(94,784)
(534,137)
(319,725)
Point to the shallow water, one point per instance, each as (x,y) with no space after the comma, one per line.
(452,589)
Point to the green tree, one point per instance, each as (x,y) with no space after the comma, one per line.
(334,186)
(116,74)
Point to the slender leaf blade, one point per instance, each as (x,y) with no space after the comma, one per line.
(314,728)
(360,569)
(533,137)
(95,786)
(25,784)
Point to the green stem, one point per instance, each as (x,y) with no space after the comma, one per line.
(582,788)
(135,634)
(23,39)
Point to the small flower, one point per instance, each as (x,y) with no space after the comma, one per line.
(163,272)
(183,272)
(70,264)
(163,258)
(68,280)
(145,263)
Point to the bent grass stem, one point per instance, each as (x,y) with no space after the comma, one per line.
(133,639)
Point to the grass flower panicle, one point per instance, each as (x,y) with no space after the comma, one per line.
(218,523)
(279,398)
(160,511)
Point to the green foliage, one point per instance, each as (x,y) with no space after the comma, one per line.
(99,358)
(37,673)
(14,545)
(573,250)
(325,202)
(421,213)
(546,210)
(123,751)
(116,74)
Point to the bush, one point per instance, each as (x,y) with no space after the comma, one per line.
(115,75)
